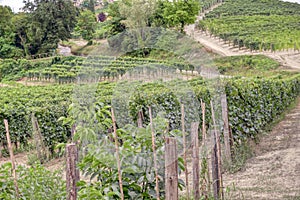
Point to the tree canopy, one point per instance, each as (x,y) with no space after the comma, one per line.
(163,13)
(86,24)
(50,21)
(7,34)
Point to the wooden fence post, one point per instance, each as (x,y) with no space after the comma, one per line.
(12,158)
(226,128)
(154,153)
(195,159)
(205,187)
(184,153)
(140,119)
(72,173)
(171,167)
(117,153)
(216,158)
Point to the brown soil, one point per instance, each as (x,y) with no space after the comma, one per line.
(26,82)
(274,172)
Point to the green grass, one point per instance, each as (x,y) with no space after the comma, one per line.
(250,66)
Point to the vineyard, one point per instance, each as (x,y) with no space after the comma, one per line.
(67,69)
(252,104)
(264,26)
(163,118)
(49,103)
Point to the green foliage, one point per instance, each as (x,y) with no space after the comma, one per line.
(11,69)
(7,34)
(67,69)
(245,64)
(255,7)
(161,98)
(206,4)
(86,23)
(257,25)
(242,153)
(49,22)
(47,103)
(138,173)
(253,103)
(136,13)
(180,13)
(33,183)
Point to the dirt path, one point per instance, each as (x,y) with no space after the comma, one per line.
(274,172)
(289,59)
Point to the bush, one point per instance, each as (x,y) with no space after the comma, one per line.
(33,183)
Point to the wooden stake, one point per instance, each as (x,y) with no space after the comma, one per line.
(154,153)
(205,187)
(214,169)
(171,167)
(184,153)
(72,173)
(42,150)
(195,159)
(36,137)
(226,128)
(117,153)
(140,119)
(203,123)
(12,158)
(218,153)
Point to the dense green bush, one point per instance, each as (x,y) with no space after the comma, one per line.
(33,182)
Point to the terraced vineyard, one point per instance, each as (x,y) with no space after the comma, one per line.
(67,69)
(257,25)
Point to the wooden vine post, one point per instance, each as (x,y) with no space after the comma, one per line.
(195,159)
(12,158)
(227,138)
(205,187)
(140,119)
(117,153)
(216,159)
(171,169)
(42,151)
(154,154)
(72,173)
(185,153)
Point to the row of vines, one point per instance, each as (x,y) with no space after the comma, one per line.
(257,25)
(253,103)
(66,70)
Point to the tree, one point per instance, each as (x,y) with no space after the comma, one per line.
(137,12)
(86,25)
(22,39)
(180,12)
(51,21)
(7,34)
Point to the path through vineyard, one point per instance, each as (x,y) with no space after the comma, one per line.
(288,59)
(274,171)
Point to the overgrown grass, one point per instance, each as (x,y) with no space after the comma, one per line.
(243,151)
(245,64)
